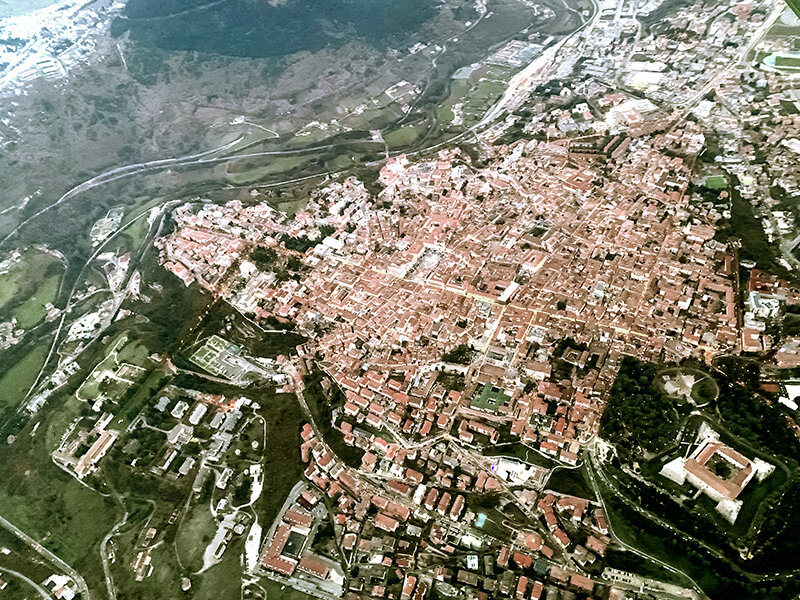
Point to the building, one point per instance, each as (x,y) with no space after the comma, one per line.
(87,462)
(314,566)
(718,471)
(180,434)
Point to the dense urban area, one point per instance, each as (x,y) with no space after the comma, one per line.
(538,337)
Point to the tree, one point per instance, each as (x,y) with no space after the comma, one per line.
(264,258)
(639,416)
(460,355)
(241,493)
(722,469)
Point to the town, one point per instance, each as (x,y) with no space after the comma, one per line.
(556,357)
(469,321)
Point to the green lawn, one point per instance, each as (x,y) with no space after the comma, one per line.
(133,352)
(704,391)
(487,90)
(490,399)
(195,532)
(445,115)
(787,61)
(224,580)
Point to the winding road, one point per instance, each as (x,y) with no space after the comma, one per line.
(596,488)
(83,589)
(39,589)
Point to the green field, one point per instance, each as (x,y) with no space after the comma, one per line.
(27,284)
(34,310)
(788,61)
(18,380)
(705,391)
(405,136)
(716,182)
(242,172)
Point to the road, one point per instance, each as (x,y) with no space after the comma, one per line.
(689,104)
(201,158)
(596,488)
(517,84)
(112,590)
(69,305)
(83,589)
(101,247)
(221,154)
(777,11)
(39,589)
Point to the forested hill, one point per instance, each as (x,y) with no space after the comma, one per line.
(271,28)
